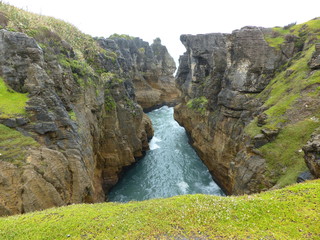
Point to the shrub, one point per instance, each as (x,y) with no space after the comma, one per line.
(198,104)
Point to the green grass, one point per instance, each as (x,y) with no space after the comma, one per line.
(284,155)
(14,145)
(40,26)
(290,213)
(12,103)
(56,35)
(305,32)
(282,96)
(282,91)
(275,41)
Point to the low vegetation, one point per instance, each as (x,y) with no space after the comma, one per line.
(12,103)
(198,104)
(284,155)
(290,213)
(299,34)
(293,87)
(14,145)
(124,36)
(76,51)
(41,27)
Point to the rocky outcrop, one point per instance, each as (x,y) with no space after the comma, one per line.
(312,154)
(226,72)
(314,62)
(84,117)
(151,69)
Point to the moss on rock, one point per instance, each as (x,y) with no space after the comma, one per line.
(14,145)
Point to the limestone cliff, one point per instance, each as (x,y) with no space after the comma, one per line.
(151,69)
(250,102)
(69,120)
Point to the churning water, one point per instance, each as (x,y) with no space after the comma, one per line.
(170,168)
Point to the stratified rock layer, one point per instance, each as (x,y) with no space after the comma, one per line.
(82,110)
(151,69)
(227,70)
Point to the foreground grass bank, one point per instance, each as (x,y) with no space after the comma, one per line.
(290,213)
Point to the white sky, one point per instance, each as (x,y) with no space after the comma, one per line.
(168,19)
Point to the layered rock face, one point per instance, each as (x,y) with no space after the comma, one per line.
(220,76)
(151,69)
(312,155)
(82,111)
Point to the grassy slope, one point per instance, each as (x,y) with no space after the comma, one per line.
(43,27)
(289,213)
(285,93)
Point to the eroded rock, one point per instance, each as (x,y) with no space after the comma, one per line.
(87,131)
(228,70)
(312,155)
(150,67)
(314,62)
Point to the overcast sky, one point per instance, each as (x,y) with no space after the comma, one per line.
(168,19)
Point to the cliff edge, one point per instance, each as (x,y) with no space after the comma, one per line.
(69,117)
(251,102)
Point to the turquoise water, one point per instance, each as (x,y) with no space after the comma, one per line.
(170,168)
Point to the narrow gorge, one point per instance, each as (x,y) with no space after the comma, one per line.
(72,109)
(171,167)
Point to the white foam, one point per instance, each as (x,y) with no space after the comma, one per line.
(183,186)
(153,143)
(208,189)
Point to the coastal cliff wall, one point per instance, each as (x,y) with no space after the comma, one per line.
(244,96)
(150,67)
(69,117)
